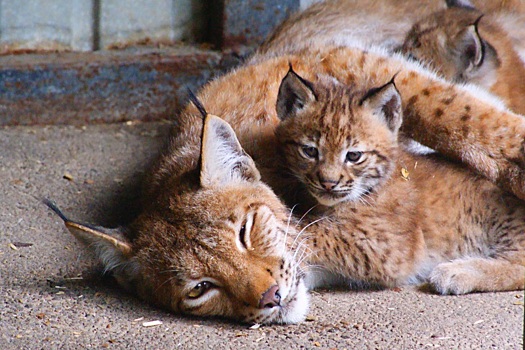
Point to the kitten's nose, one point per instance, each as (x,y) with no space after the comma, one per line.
(328,184)
(270,298)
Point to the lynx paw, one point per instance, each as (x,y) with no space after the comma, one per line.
(453,278)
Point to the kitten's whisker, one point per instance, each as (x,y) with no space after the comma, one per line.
(301,244)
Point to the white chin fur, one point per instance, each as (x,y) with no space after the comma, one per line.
(328,202)
(295,311)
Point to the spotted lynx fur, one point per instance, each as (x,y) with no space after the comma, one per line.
(214,239)
(393,217)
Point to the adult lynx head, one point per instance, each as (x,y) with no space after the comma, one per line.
(340,143)
(450,42)
(214,241)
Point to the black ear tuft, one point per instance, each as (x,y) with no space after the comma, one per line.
(295,93)
(52,205)
(111,246)
(385,103)
(197,103)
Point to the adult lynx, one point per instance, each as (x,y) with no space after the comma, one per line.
(214,240)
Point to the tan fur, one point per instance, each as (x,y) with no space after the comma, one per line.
(219,243)
(440,40)
(430,219)
(377,22)
(438,114)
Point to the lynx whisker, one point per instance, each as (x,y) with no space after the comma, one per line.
(303,247)
(305,214)
(288,227)
(165,282)
(304,256)
(303,230)
(314,268)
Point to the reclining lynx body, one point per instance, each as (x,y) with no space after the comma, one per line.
(214,240)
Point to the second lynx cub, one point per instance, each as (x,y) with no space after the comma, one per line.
(342,144)
(464,45)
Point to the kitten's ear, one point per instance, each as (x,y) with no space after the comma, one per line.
(466,4)
(385,103)
(223,160)
(109,245)
(470,47)
(295,93)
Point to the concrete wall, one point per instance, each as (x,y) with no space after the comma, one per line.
(84,25)
(155,20)
(144,83)
(47,25)
(305,3)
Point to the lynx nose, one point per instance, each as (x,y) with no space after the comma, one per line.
(270,298)
(328,184)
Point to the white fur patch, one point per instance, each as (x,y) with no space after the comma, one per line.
(297,309)
(206,297)
(415,147)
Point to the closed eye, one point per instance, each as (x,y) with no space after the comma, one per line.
(244,242)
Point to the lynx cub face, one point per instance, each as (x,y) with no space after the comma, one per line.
(428,219)
(350,150)
(213,244)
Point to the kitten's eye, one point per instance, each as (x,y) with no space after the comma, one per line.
(200,289)
(353,156)
(310,152)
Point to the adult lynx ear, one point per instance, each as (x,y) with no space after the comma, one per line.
(471,47)
(108,245)
(385,103)
(295,93)
(223,160)
(460,3)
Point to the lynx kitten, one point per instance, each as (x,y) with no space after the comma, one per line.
(394,217)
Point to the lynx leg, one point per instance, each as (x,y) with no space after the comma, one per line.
(467,275)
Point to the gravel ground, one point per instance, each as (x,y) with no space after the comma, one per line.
(52,295)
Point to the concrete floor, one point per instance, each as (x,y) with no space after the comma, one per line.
(52,295)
